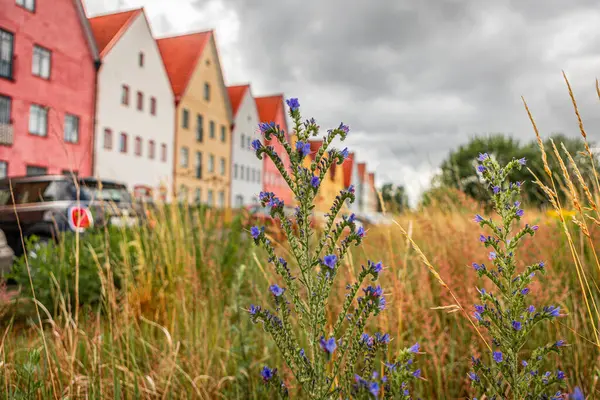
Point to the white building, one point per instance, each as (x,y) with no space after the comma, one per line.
(247,169)
(135,108)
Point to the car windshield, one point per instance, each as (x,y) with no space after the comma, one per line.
(104,191)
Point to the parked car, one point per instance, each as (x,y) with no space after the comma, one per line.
(6,255)
(47,205)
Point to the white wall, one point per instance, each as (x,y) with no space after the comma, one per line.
(246,124)
(121,67)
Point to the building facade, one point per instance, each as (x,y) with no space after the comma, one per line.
(372,195)
(247,169)
(48,62)
(135,108)
(350,166)
(332,183)
(271,109)
(203,119)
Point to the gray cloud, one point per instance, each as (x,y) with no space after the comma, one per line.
(415,79)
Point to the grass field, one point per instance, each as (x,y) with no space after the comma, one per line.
(177,327)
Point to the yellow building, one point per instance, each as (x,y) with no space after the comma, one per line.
(203,119)
(332,184)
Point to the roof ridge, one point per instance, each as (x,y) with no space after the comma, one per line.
(211,31)
(106,14)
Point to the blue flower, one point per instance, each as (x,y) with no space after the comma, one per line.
(553,311)
(560,374)
(256,144)
(535,227)
(255,232)
(314,182)
(479,308)
(351,189)
(352,217)
(303,148)
(474,377)
(382,303)
(302,353)
(371,291)
(577,394)
(254,309)
(496,189)
(482,238)
(374,388)
(520,212)
(267,373)
(330,260)
(531,309)
(524,291)
(516,325)
(478,267)
(293,104)
(360,232)
(376,267)
(497,356)
(414,348)
(480,168)
(483,157)
(276,290)
(522,161)
(344,153)
(328,345)
(524,363)
(478,218)
(517,203)
(417,373)
(477,316)
(266,126)
(492,255)
(344,128)
(385,338)
(560,343)
(390,367)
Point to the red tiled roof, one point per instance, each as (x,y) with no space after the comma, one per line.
(268,107)
(236,94)
(361,171)
(347,165)
(180,55)
(108,28)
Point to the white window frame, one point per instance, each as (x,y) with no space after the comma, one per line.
(71,128)
(38,120)
(29,5)
(184,157)
(41,62)
(211,163)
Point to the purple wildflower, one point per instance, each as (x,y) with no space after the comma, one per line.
(266,126)
(477,316)
(414,348)
(351,189)
(303,148)
(254,309)
(482,238)
(577,394)
(344,153)
(560,343)
(497,356)
(479,308)
(374,388)
(496,189)
(480,168)
(344,128)
(330,260)
(531,309)
(524,363)
(535,227)
(492,255)
(293,104)
(516,325)
(478,218)
(474,377)
(360,232)
(522,161)
(256,144)
(525,291)
(267,373)
(255,232)
(376,267)
(417,373)
(520,212)
(314,182)
(276,290)
(560,375)
(478,267)
(483,157)
(553,311)
(328,345)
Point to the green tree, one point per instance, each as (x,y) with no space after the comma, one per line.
(394,197)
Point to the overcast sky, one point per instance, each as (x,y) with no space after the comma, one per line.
(413,79)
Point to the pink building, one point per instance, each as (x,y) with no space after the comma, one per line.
(48,61)
(272,109)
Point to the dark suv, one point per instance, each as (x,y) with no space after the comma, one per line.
(49,204)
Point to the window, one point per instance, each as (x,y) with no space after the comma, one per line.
(40,65)
(138,146)
(241,172)
(221,199)
(185,119)
(199,128)
(206,91)
(249,144)
(107,139)
(223,133)
(198,196)
(212,129)
(3,169)
(183,157)
(140,101)
(125,95)
(71,128)
(199,165)
(38,120)
(211,163)
(222,166)
(6,54)
(141,59)
(5,103)
(163,152)
(151,149)
(70,173)
(123,143)
(235,168)
(153,105)
(27,4)
(243,140)
(36,171)
(239,201)
(209,200)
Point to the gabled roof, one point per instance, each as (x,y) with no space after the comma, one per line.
(372,179)
(87,29)
(268,107)
(109,28)
(236,95)
(361,172)
(348,165)
(180,55)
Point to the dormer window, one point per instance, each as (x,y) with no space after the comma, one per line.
(141,59)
